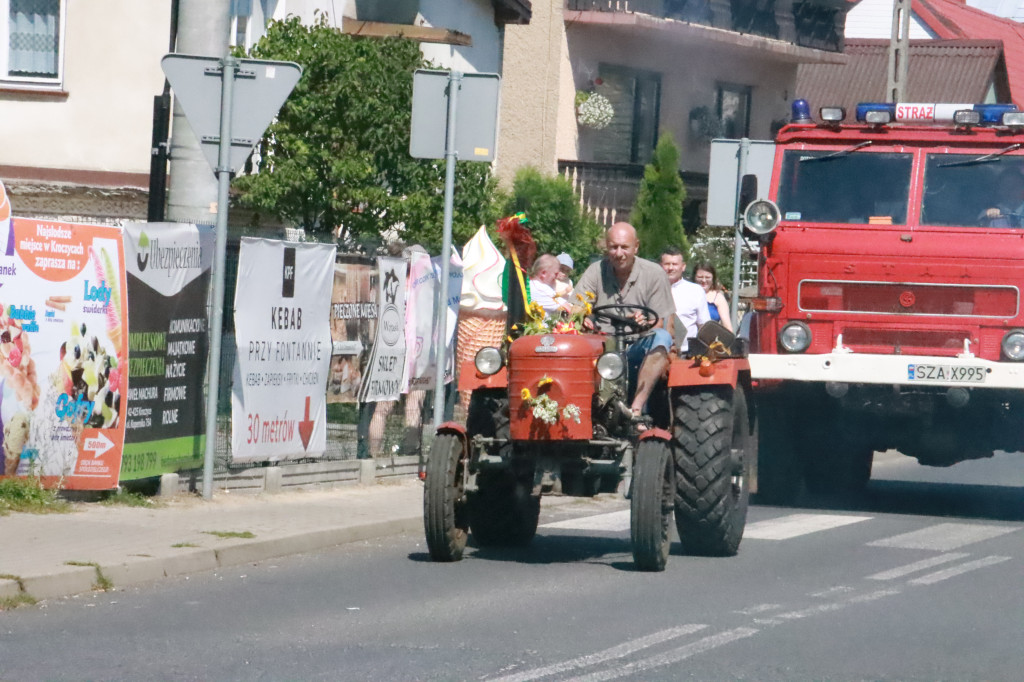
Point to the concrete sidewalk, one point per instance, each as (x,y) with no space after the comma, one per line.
(55,555)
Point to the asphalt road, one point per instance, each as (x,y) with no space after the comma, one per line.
(920,580)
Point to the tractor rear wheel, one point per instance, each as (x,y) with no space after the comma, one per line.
(650,521)
(444,500)
(503,511)
(713,447)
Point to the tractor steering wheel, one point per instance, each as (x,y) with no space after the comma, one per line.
(624,325)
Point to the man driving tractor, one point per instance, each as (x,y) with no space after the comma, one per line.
(621,278)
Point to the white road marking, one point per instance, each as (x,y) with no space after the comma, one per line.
(939,576)
(669,657)
(760,608)
(944,537)
(613,522)
(780,618)
(794,525)
(832,591)
(620,651)
(901,571)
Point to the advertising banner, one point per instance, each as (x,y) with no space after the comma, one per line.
(382,379)
(63,359)
(168,275)
(353,325)
(421,318)
(283,337)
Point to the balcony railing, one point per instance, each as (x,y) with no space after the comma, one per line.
(802,22)
(608,191)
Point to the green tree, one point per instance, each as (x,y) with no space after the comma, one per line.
(337,156)
(658,212)
(557,220)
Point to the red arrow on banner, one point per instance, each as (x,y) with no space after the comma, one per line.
(306,428)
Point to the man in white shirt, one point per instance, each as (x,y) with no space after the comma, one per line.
(542,284)
(689,297)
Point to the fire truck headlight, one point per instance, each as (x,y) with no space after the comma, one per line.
(1013,118)
(1013,345)
(795,337)
(610,366)
(832,114)
(762,217)
(488,360)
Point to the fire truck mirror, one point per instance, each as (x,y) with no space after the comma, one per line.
(748,191)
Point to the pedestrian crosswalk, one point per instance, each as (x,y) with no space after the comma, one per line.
(939,537)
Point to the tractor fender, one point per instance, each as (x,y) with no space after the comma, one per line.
(455,429)
(727,372)
(656,434)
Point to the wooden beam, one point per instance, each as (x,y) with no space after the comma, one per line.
(421,34)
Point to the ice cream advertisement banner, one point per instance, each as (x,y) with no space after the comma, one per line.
(386,367)
(353,324)
(168,276)
(62,352)
(283,337)
(421,318)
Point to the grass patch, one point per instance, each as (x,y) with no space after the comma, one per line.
(102,582)
(20,599)
(124,498)
(230,534)
(21,494)
(184,544)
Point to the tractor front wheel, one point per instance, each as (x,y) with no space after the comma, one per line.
(651,505)
(444,500)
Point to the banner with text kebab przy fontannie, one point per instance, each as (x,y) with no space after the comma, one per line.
(168,274)
(283,337)
(382,379)
(62,355)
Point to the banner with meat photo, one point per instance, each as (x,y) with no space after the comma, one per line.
(353,326)
(63,358)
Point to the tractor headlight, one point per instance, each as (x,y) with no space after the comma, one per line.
(610,366)
(488,360)
(795,337)
(1013,345)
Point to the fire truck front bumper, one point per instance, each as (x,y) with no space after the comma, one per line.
(904,370)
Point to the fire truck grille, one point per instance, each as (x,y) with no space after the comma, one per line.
(904,341)
(904,299)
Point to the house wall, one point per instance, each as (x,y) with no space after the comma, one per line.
(534,73)
(689,79)
(105,122)
(873,19)
(473,17)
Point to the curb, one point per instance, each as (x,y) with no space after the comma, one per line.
(137,570)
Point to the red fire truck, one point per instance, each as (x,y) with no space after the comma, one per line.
(888,312)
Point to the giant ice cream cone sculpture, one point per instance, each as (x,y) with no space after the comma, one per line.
(481,310)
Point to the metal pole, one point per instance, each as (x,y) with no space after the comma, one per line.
(228,66)
(454,83)
(737,251)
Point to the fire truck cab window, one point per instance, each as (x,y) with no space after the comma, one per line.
(845,186)
(972,190)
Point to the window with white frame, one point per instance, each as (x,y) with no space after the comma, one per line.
(32,41)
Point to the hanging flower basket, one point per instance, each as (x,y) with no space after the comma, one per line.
(593,110)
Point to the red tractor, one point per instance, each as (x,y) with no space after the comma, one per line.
(548,414)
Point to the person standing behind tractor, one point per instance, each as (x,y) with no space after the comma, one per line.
(691,303)
(707,277)
(620,278)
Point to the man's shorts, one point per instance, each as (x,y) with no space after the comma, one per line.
(658,338)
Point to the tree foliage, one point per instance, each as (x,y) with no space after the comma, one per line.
(337,156)
(658,212)
(557,220)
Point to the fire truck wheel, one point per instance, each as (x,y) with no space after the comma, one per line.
(713,448)
(444,502)
(503,511)
(651,505)
(780,477)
